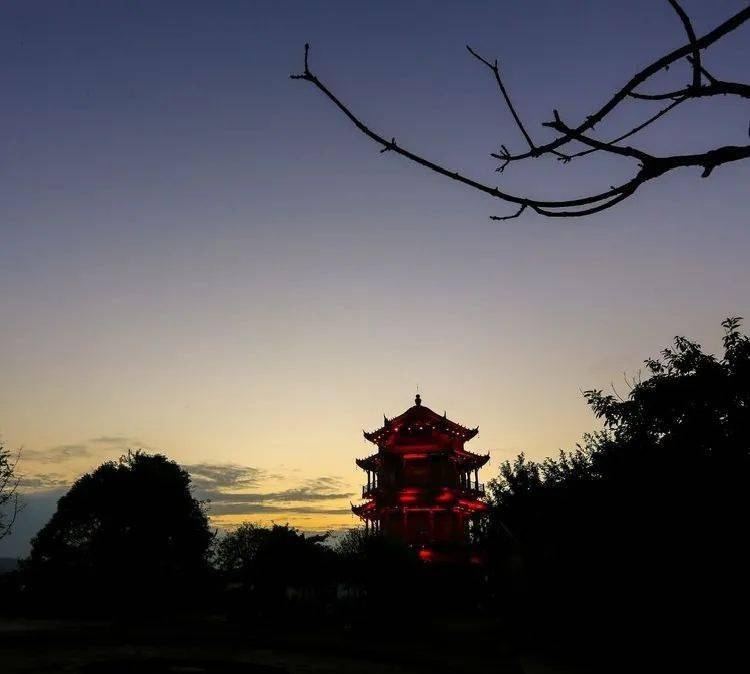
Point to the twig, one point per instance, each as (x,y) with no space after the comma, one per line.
(496,72)
(510,217)
(636,129)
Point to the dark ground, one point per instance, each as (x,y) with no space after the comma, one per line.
(215,645)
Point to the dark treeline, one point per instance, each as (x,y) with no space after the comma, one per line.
(635,538)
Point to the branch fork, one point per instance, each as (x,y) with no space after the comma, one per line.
(649,166)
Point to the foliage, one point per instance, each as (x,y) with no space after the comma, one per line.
(388,572)
(130,530)
(642,522)
(9,503)
(268,561)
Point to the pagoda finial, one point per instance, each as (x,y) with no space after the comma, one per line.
(418,399)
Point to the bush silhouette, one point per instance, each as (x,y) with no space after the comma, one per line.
(272,565)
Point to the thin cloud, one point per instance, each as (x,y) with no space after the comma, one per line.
(263,509)
(326,482)
(215,477)
(222,486)
(287,495)
(56,454)
(118,440)
(99,446)
(43,481)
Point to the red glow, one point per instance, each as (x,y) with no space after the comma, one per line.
(472,505)
(411,457)
(428,509)
(425,555)
(407,498)
(445,496)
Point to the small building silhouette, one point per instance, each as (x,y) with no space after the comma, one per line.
(422,485)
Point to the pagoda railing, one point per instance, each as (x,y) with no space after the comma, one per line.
(474,488)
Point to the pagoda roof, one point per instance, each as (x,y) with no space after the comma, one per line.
(369,462)
(420,416)
(470,457)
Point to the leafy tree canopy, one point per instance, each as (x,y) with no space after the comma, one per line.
(130,523)
(647,512)
(270,559)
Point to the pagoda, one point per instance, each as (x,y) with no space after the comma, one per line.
(422,485)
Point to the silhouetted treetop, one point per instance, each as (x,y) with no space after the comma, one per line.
(643,524)
(133,520)
(690,397)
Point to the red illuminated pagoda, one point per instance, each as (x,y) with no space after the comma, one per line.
(422,485)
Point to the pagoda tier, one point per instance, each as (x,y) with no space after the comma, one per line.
(415,421)
(468,460)
(371,462)
(422,485)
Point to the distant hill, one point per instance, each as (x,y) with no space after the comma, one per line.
(8,564)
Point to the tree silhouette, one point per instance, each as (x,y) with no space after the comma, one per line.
(128,532)
(9,502)
(267,561)
(640,530)
(702,84)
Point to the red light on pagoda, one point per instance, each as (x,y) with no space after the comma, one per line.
(427,504)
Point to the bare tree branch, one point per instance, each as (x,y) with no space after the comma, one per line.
(650,166)
(591,120)
(703,70)
(543,207)
(496,72)
(657,166)
(716,88)
(636,129)
(9,482)
(559,125)
(695,60)
(510,217)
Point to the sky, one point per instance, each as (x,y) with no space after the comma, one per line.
(201,257)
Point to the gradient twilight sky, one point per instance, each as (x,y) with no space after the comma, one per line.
(200,256)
